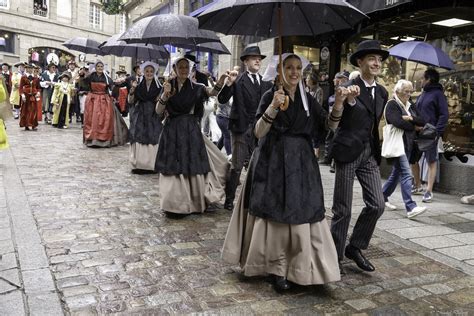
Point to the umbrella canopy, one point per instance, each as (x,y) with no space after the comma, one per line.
(114,46)
(423,53)
(212,47)
(168,29)
(83,44)
(297,17)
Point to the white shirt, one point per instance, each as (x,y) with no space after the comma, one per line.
(249,74)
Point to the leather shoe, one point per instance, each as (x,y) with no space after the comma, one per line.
(281,283)
(341,269)
(357,256)
(228,205)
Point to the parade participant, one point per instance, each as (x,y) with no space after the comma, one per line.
(48,79)
(5,112)
(39,102)
(246,90)
(357,110)
(103,124)
(278,226)
(402,115)
(61,100)
(15,92)
(120,92)
(30,91)
(7,76)
(192,169)
(74,76)
(82,91)
(145,123)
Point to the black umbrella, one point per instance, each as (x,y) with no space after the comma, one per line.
(168,29)
(84,45)
(212,47)
(269,18)
(114,46)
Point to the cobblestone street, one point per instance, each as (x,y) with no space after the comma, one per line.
(81,235)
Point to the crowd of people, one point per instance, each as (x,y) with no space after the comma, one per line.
(271,128)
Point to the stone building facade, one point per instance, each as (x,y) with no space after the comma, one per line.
(33,29)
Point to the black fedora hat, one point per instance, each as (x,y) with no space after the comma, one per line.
(368,47)
(251,51)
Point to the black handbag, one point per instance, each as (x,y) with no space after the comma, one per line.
(427,137)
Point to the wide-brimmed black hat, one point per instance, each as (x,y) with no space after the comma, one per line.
(191,58)
(19,64)
(51,65)
(368,47)
(251,51)
(6,64)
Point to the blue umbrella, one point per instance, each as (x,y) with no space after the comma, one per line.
(423,53)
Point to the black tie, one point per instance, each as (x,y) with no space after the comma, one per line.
(369,89)
(255,80)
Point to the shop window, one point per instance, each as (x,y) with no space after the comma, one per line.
(4,4)
(7,42)
(196,4)
(41,56)
(40,8)
(123,22)
(95,17)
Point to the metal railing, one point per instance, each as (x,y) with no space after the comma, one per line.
(40,12)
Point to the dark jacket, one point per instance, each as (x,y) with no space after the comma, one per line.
(433,107)
(394,113)
(359,125)
(245,104)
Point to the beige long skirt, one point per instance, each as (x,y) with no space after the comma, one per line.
(143,156)
(305,254)
(193,194)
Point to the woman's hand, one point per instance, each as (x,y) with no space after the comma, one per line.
(278,99)
(166,91)
(407,118)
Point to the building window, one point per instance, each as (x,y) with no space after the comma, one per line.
(95,17)
(7,42)
(65,9)
(40,7)
(4,4)
(123,22)
(196,4)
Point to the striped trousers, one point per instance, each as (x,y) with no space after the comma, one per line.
(367,171)
(243,145)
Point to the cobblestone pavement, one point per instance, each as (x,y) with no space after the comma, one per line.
(81,235)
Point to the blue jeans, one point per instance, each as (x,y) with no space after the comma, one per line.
(401,172)
(223,122)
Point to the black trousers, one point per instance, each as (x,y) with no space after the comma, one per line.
(367,171)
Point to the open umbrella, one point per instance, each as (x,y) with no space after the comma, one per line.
(114,46)
(168,29)
(84,45)
(423,53)
(269,18)
(212,47)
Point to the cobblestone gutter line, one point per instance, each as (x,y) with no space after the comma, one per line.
(24,266)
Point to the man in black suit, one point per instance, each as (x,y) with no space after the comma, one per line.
(246,90)
(7,75)
(357,110)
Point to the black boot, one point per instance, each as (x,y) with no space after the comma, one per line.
(230,188)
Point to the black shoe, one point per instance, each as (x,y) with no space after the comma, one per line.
(332,169)
(228,205)
(357,256)
(27,128)
(281,283)
(341,269)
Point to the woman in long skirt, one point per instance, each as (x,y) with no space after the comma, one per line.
(278,226)
(61,100)
(30,91)
(103,124)
(192,169)
(145,123)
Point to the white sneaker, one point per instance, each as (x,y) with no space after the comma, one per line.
(416,211)
(390,206)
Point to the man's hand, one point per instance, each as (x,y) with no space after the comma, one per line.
(231,76)
(346,93)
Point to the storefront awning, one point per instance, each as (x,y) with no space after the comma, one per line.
(369,6)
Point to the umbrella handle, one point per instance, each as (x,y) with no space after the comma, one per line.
(285,105)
